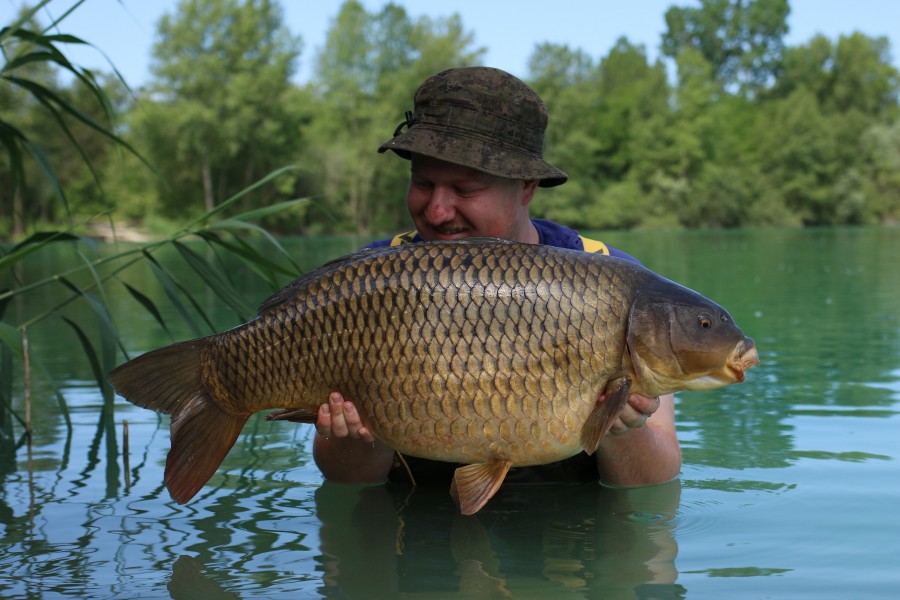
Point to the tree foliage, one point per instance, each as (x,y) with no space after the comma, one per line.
(743,41)
(222,94)
(729,127)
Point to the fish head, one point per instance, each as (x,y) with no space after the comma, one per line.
(678,339)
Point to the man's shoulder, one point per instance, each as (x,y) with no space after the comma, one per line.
(551,233)
(409,236)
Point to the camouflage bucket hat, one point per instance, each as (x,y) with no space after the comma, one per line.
(481,118)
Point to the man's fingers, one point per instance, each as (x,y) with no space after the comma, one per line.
(645,405)
(635,413)
(339,418)
(323,422)
(339,427)
(366,435)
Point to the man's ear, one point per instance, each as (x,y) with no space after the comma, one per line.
(528,190)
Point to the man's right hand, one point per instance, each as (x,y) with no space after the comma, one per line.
(344,449)
(339,418)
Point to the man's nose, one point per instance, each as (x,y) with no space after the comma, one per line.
(441,206)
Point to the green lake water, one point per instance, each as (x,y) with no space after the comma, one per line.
(790,486)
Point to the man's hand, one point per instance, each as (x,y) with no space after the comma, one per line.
(639,451)
(635,414)
(344,449)
(339,418)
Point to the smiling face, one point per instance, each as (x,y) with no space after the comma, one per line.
(448,201)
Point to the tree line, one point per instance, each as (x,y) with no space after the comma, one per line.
(729,127)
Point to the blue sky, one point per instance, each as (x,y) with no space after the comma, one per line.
(125,29)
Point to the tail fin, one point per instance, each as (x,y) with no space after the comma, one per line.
(168,380)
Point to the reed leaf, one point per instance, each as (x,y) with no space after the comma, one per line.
(11,337)
(32,244)
(226,204)
(255,260)
(107,331)
(11,340)
(266,211)
(6,409)
(41,48)
(216,281)
(174,290)
(12,138)
(150,307)
(93,359)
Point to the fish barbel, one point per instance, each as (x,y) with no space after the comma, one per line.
(485,352)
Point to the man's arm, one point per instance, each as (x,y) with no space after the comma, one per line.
(345,450)
(642,446)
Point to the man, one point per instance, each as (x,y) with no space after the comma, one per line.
(475,145)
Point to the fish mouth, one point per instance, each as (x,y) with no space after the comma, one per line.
(745,356)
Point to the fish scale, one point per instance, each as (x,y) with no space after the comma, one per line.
(460,365)
(484,352)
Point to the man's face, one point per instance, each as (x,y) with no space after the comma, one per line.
(449,201)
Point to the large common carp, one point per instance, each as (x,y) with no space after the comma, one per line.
(478,351)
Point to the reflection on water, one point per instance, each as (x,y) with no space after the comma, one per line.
(536,542)
(789,488)
(530,542)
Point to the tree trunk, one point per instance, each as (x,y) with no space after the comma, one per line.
(208,197)
(18,212)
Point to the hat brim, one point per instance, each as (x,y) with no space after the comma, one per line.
(478,154)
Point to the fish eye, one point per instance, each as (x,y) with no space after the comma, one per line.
(705,321)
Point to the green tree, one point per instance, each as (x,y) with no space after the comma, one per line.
(880,170)
(219,112)
(743,40)
(798,150)
(566,80)
(594,111)
(855,74)
(851,89)
(52,135)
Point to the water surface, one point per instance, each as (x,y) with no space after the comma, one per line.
(790,485)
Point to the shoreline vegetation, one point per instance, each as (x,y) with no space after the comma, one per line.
(730,127)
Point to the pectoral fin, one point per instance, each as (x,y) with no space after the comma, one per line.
(605,413)
(474,485)
(295,415)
